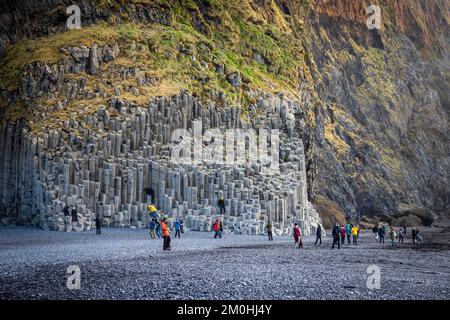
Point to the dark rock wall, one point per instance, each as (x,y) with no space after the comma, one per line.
(385,95)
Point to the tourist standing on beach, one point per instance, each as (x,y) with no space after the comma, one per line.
(336,234)
(343,232)
(348,231)
(413,234)
(318,234)
(220,229)
(165,234)
(416,236)
(181,225)
(375,231)
(392,236)
(98,224)
(177,227)
(298,235)
(158,228)
(152,226)
(401,232)
(355,235)
(269,228)
(216,229)
(381,232)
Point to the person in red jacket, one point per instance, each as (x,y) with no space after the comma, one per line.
(298,235)
(216,228)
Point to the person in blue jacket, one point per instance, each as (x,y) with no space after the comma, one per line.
(177,227)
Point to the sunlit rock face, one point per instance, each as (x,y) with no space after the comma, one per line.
(110,168)
(362,114)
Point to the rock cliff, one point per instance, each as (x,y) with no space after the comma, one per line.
(371,109)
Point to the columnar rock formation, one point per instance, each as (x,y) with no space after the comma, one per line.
(109,169)
(376,130)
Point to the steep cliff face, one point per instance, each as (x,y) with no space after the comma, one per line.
(383,130)
(374,103)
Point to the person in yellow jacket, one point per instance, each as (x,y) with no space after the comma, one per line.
(165,234)
(355,230)
(152,211)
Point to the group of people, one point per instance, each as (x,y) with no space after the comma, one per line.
(341,233)
(381,231)
(351,233)
(160,227)
(71,211)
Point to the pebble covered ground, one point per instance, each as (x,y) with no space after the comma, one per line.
(127,264)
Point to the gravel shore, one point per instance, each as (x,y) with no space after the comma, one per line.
(127,264)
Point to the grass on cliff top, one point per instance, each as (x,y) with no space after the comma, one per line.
(255,42)
(47,49)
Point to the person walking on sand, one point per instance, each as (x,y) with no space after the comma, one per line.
(318,234)
(181,225)
(381,232)
(269,228)
(336,234)
(400,234)
(343,232)
(416,235)
(375,231)
(152,227)
(348,232)
(220,229)
(298,235)
(157,228)
(98,224)
(177,227)
(413,234)
(392,236)
(216,229)
(355,235)
(165,234)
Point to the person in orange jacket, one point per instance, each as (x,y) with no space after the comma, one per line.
(165,234)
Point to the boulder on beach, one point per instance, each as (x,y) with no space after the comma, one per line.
(414,214)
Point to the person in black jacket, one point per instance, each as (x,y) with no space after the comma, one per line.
(375,231)
(318,234)
(221,204)
(74,215)
(336,233)
(414,234)
(66,210)
(381,233)
(98,224)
